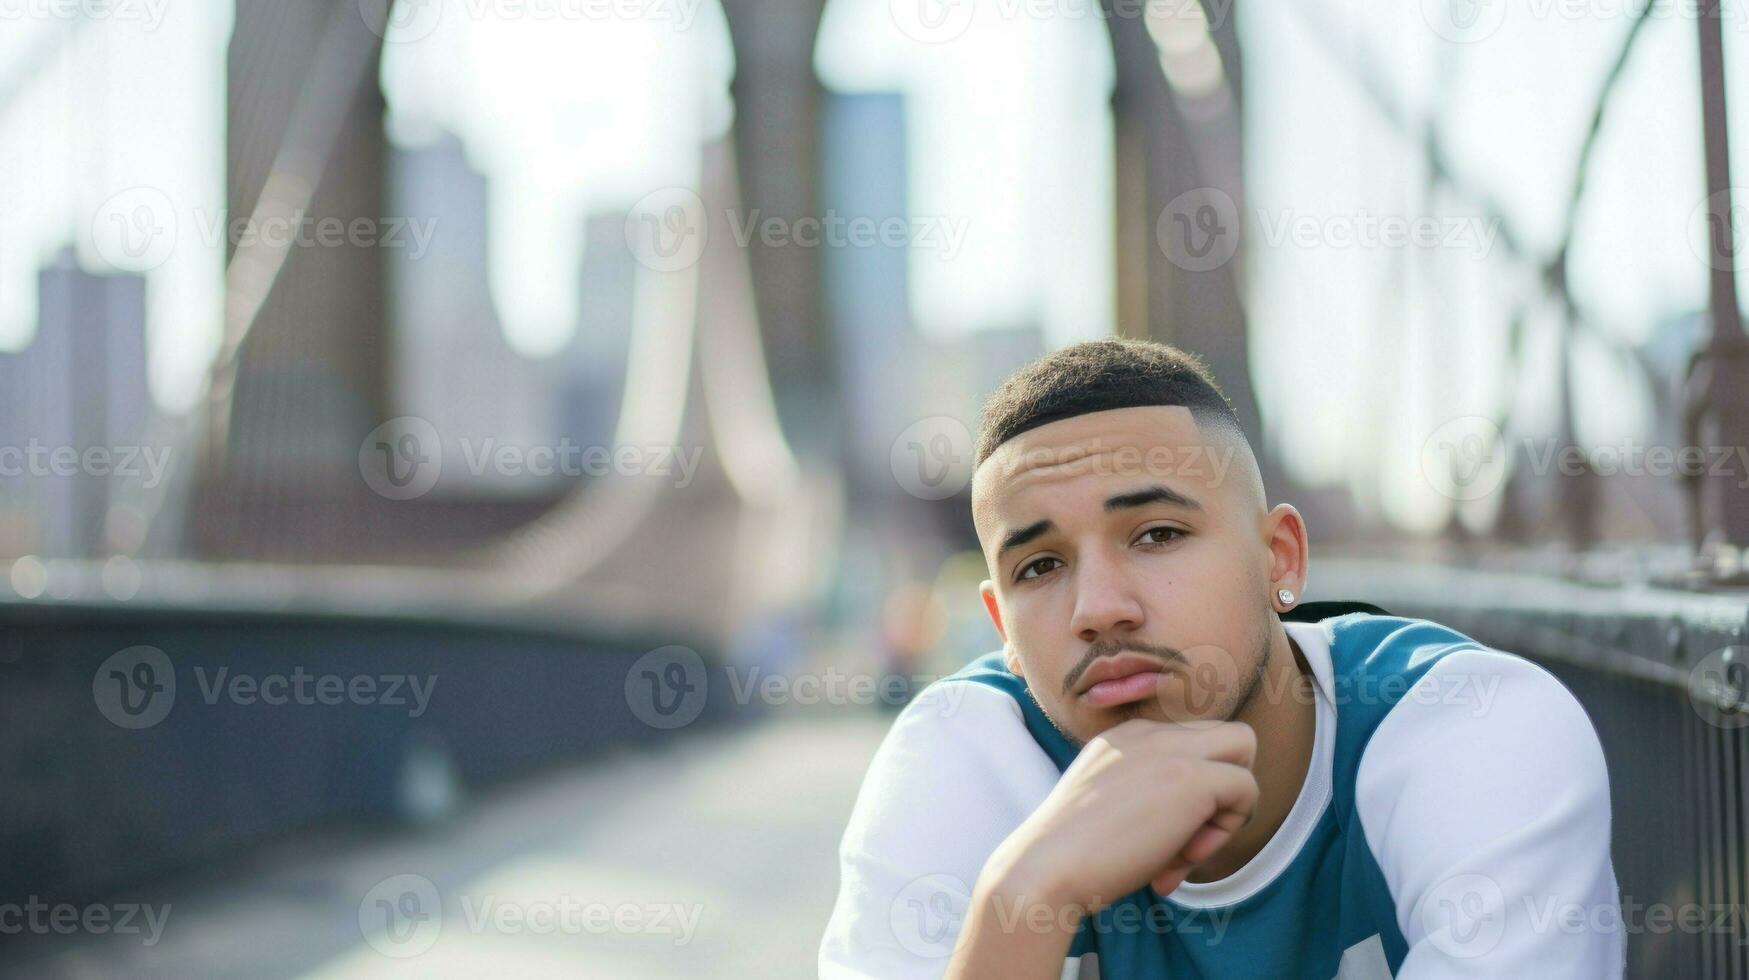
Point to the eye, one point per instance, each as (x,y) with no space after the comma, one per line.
(1036,567)
(1164,534)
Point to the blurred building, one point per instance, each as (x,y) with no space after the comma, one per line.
(73,413)
(452,365)
(867,288)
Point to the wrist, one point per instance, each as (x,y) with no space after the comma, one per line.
(1022,874)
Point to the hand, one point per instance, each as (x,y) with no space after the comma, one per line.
(1143,803)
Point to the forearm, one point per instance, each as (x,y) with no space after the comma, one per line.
(1016,926)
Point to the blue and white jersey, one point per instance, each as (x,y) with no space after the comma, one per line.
(1454,822)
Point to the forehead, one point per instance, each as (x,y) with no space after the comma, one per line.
(1101,452)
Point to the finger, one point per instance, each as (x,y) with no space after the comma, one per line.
(1167,881)
(1204,844)
(1234,742)
(1232,792)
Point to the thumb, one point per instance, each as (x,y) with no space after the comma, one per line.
(1208,839)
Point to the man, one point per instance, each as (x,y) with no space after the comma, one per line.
(1164,774)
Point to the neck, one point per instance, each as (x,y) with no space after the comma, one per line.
(1282,713)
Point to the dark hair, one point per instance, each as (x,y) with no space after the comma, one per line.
(1098,375)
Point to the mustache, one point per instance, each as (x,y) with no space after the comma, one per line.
(1111,648)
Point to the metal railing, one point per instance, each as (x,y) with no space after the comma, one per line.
(1662,674)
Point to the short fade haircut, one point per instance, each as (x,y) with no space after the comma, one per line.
(1097,376)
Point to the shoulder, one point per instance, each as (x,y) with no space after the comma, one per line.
(1483,745)
(1485,787)
(1383,645)
(1422,702)
(965,734)
(957,772)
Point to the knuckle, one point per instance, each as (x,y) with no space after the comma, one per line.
(1176,769)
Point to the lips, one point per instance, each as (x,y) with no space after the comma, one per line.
(1121,679)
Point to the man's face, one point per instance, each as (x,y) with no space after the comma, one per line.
(1131,566)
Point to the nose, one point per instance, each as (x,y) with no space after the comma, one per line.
(1106,602)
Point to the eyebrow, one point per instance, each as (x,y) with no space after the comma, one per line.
(1123,501)
(1151,495)
(1021,536)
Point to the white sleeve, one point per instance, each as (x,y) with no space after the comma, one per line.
(1484,797)
(955,775)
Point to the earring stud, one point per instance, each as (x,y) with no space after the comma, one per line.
(1286,596)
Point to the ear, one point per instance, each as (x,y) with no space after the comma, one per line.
(1289,557)
(987,591)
